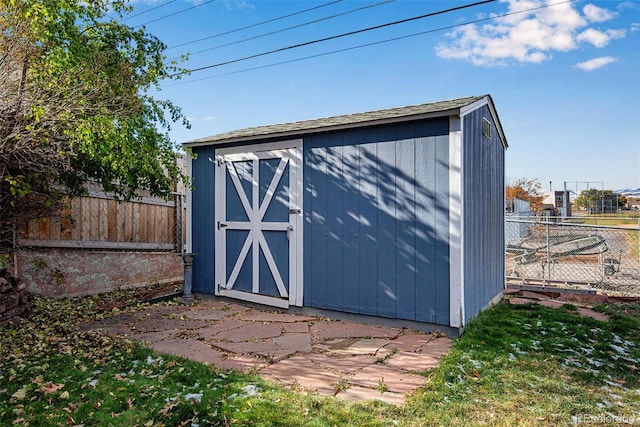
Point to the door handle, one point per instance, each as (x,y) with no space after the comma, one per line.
(295,211)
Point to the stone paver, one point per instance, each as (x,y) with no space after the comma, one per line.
(412,361)
(154,337)
(215,329)
(299,343)
(250,332)
(550,304)
(302,372)
(356,394)
(351,360)
(410,341)
(192,349)
(526,297)
(587,312)
(345,365)
(261,316)
(326,329)
(295,328)
(439,347)
(362,347)
(381,376)
(163,324)
(208,314)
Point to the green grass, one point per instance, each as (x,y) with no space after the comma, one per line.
(515,365)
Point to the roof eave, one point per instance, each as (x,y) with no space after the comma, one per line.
(330,128)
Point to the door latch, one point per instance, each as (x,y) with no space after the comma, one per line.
(295,211)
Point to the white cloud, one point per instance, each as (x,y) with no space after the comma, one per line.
(599,38)
(597,14)
(596,63)
(238,4)
(532,36)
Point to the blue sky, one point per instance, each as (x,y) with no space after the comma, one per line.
(565,76)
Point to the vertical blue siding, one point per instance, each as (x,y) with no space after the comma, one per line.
(441,228)
(367,215)
(376,221)
(202,220)
(483,165)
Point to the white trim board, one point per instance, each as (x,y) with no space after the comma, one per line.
(456,224)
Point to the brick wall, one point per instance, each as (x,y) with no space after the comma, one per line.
(60,272)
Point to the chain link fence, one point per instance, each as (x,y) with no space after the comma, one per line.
(595,252)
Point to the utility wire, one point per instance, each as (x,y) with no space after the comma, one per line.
(282,49)
(256,24)
(174,13)
(449,27)
(148,10)
(326,18)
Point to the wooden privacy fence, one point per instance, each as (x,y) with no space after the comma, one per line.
(97,221)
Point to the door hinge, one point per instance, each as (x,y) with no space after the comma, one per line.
(219,160)
(221,225)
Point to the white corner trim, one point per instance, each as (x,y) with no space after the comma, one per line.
(456,224)
(188,201)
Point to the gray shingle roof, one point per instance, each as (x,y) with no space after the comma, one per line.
(349,120)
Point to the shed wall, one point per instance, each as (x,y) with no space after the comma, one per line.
(202,219)
(483,176)
(376,221)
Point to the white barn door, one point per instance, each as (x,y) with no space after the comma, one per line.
(258,218)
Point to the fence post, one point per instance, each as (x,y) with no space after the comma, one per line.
(548,253)
(179,219)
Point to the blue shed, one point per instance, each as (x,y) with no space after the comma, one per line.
(394,214)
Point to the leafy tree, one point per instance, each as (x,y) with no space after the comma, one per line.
(76,106)
(525,189)
(600,200)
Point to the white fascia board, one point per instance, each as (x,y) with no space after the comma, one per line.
(494,115)
(456,223)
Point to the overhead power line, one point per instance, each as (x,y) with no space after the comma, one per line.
(350,33)
(448,27)
(315,21)
(256,24)
(175,13)
(149,10)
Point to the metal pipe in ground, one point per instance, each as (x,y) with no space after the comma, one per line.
(187,295)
